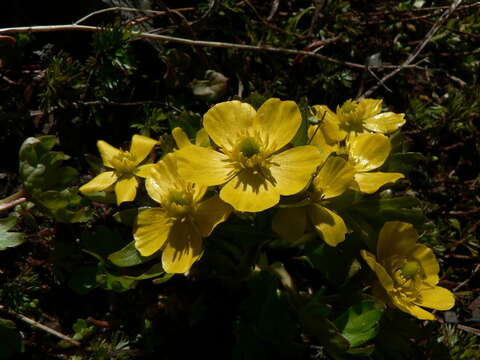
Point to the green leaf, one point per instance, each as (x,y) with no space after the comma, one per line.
(9,239)
(128,256)
(360,322)
(402,162)
(11,340)
(83,280)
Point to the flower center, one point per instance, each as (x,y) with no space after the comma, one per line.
(410,269)
(352,115)
(249,147)
(349,107)
(179,203)
(179,198)
(124,162)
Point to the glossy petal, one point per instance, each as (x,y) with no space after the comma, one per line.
(210,213)
(99,182)
(126,189)
(436,298)
(250,192)
(317,138)
(368,151)
(153,228)
(369,183)
(204,165)
(396,238)
(107,152)
(290,223)
(180,137)
(378,269)
(277,122)
(428,262)
(182,249)
(201,138)
(412,309)
(330,124)
(141,147)
(292,169)
(226,121)
(385,122)
(329,225)
(143,171)
(370,107)
(334,177)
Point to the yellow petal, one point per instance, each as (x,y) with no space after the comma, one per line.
(202,139)
(328,224)
(396,238)
(369,183)
(290,223)
(225,122)
(385,122)
(99,182)
(378,269)
(204,165)
(292,169)
(412,309)
(330,124)
(318,139)
(143,171)
(141,147)
(428,262)
(181,139)
(153,227)
(368,151)
(108,152)
(182,249)
(249,192)
(334,177)
(210,213)
(370,107)
(436,297)
(277,123)
(163,177)
(126,189)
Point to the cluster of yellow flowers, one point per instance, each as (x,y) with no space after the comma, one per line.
(248,154)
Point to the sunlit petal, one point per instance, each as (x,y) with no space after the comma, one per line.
(436,298)
(141,147)
(290,223)
(317,137)
(201,138)
(153,227)
(277,122)
(143,171)
(180,137)
(250,192)
(225,122)
(369,183)
(292,169)
(334,177)
(396,238)
(370,107)
(204,165)
(126,189)
(428,262)
(210,213)
(378,269)
(412,309)
(385,123)
(182,249)
(99,182)
(108,152)
(329,225)
(369,151)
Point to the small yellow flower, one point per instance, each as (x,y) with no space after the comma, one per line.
(250,162)
(332,180)
(360,116)
(182,140)
(125,167)
(367,152)
(179,225)
(408,272)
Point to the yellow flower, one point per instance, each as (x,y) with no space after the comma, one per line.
(361,116)
(408,272)
(125,167)
(182,221)
(248,162)
(182,140)
(367,152)
(332,180)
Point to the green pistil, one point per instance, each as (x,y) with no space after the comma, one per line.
(410,269)
(179,198)
(249,147)
(349,107)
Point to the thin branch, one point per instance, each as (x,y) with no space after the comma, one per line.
(119,8)
(417,50)
(73,27)
(41,326)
